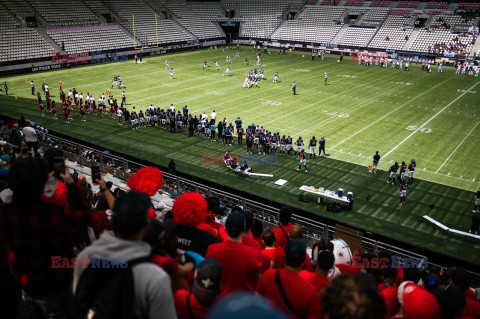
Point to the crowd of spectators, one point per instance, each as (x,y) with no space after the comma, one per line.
(65,250)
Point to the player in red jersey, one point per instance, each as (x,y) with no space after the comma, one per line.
(303,160)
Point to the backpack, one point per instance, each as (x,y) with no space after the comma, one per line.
(106,292)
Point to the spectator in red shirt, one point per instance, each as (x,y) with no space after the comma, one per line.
(278,256)
(34,232)
(286,289)
(461,280)
(206,287)
(257,232)
(212,207)
(267,253)
(281,231)
(352,297)
(318,279)
(247,237)
(241,265)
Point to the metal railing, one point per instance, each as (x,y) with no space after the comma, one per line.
(122,168)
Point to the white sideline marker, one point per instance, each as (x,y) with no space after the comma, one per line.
(458,146)
(428,121)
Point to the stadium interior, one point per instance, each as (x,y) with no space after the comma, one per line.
(36,33)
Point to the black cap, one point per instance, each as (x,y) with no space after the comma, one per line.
(235,224)
(206,285)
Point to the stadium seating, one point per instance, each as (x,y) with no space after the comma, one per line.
(97,6)
(20,43)
(443,5)
(260,19)
(428,38)
(431,5)
(65,13)
(396,28)
(312,19)
(356,36)
(91,39)
(147,26)
(198,19)
(19,7)
(469,5)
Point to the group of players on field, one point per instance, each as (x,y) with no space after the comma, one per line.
(393,171)
(85,105)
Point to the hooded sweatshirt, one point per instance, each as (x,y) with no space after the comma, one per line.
(153,295)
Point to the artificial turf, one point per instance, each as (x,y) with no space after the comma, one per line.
(430,117)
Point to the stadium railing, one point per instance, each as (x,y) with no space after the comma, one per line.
(122,167)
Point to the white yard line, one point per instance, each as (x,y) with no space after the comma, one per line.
(326,99)
(457,147)
(343,111)
(394,110)
(248,96)
(430,119)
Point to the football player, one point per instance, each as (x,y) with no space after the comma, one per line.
(411,170)
(403,191)
(313,145)
(249,142)
(393,173)
(289,145)
(298,143)
(275,77)
(303,160)
(403,169)
(283,144)
(227,72)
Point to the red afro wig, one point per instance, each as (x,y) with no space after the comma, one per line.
(189,209)
(146,180)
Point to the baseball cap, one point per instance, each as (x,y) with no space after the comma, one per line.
(235,223)
(5,158)
(206,285)
(244,305)
(418,303)
(295,251)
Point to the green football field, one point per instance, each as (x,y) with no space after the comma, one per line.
(429,117)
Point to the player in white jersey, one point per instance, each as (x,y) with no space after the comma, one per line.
(477,69)
(459,68)
(119,115)
(440,67)
(120,82)
(229,60)
(246,82)
(464,68)
(258,59)
(217,67)
(237,55)
(171,73)
(167,65)
(275,77)
(227,72)
(407,64)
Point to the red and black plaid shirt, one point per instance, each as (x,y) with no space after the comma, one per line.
(32,234)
